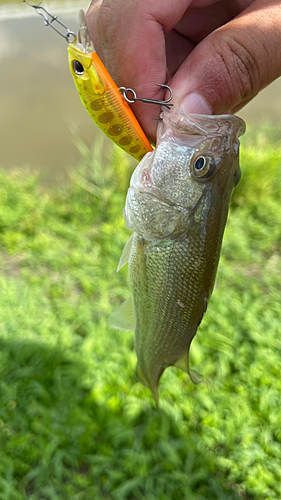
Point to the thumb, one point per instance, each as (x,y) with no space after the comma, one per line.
(233,63)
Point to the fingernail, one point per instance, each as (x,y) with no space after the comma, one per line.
(195,103)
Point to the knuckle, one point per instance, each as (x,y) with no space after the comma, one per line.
(240,63)
(104,14)
(93,10)
(100,14)
(109,18)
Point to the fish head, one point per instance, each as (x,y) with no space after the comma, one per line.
(211,143)
(195,163)
(84,65)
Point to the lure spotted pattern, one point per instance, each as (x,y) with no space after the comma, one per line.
(104,103)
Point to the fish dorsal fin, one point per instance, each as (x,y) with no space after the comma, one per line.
(124,317)
(126,253)
(183,364)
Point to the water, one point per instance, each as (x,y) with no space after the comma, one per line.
(40,107)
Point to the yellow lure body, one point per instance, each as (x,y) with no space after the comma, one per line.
(104,103)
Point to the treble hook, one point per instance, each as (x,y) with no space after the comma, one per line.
(49,19)
(124,91)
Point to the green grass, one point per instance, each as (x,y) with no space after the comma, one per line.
(74,422)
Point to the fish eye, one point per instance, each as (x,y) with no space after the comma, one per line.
(201,166)
(77,67)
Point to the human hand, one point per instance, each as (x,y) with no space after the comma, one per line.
(215,54)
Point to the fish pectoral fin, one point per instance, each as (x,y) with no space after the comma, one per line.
(183,364)
(124,317)
(126,253)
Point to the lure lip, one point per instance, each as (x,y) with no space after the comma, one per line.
(83,34)
(82,47)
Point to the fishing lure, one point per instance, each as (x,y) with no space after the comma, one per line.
(107,104)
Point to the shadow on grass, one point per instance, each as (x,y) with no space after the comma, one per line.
(59,440)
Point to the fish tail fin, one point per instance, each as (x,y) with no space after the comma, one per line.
(183,364)
(152,386)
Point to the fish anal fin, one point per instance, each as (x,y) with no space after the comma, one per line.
(126,253)
(124,317)
(183,364)
(152,387)
(195,376)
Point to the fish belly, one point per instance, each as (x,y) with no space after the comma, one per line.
(170,293)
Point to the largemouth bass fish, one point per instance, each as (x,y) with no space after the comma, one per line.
(177,206)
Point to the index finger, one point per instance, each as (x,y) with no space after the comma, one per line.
(129,37)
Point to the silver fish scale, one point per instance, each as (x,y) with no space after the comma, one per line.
(170,173)
(153,217)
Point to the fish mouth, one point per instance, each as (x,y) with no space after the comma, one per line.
(213,129)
